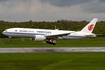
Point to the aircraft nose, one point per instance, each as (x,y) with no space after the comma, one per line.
(4,32)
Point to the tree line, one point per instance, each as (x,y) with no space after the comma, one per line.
(60,24)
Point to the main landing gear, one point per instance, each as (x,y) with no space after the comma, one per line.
(51,41)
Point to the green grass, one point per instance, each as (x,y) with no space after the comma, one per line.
(16,42)
(53,61)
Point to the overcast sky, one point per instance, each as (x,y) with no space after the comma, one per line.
(51,10)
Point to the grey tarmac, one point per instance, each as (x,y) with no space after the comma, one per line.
(53,49)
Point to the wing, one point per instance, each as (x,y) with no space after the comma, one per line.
(59,35)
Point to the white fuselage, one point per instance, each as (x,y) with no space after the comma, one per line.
(29,32)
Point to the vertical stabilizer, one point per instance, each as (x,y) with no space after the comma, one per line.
(89,27)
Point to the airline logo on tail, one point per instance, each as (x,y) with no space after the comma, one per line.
(90,27)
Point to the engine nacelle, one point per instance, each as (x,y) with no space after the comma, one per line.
(39,38)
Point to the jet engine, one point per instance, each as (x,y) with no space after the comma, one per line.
(39,38)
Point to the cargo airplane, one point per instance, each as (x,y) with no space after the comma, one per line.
(50,36)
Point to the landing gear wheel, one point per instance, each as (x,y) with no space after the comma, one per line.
(51,41)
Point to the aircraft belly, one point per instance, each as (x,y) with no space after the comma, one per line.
(20,35)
